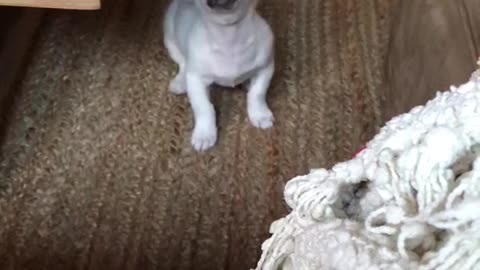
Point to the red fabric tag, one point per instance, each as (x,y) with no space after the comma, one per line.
(358,151)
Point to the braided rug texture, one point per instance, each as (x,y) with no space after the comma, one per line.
(97,171)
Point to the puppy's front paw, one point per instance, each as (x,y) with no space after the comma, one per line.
(177,85)
(204,137)
(260,116)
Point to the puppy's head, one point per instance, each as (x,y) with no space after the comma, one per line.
(226,12)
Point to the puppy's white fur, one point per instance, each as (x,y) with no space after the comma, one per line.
(223,47)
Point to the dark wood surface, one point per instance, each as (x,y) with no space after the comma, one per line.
(17,30)
(434,44)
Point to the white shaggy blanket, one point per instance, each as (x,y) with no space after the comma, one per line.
(410,200)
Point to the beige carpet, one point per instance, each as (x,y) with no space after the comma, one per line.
(97,171)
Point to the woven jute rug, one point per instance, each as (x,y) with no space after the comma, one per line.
(97,171)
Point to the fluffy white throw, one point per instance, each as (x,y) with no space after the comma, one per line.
(410,200)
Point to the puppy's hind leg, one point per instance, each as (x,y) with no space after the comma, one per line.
(178,84)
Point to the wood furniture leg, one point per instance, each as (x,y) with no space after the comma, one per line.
(61,4)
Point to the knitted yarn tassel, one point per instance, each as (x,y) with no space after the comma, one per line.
(409,200)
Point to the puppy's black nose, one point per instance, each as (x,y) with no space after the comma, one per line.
(223,4)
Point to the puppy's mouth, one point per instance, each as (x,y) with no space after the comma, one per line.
(222,5)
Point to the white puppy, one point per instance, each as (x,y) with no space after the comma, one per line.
(224,42)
